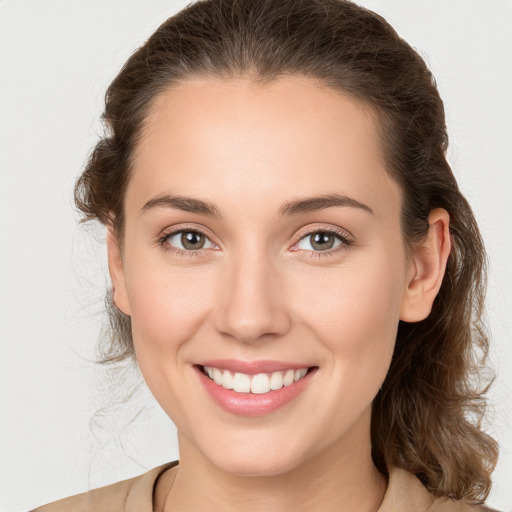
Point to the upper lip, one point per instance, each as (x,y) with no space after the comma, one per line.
(252,367)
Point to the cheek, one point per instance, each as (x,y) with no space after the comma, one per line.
(167,305)
(354,311)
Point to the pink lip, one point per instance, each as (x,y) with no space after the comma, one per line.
(249,404)
(252,367)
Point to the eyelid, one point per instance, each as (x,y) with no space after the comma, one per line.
(171,230)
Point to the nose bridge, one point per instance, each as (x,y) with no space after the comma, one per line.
(252,305)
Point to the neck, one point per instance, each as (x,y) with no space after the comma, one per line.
(342,478)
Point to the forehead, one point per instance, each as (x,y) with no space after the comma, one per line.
(213,137)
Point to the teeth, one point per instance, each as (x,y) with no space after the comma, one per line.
(227,380)
(276,380)
(241,383)
(257,384)
(300,373)
(217,375)
(288,377)
(260,384)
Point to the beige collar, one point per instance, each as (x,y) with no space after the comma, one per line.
(405,493)
(140,495)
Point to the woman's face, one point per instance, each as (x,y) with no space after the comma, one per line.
(263,237)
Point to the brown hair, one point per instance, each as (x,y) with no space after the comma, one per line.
(427,416)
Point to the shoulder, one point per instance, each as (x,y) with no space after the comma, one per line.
(133,494)
(405,492)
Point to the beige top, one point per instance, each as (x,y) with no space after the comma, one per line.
(405,493)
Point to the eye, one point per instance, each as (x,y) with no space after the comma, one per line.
(325,241)
(186,240)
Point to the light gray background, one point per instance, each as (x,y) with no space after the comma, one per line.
(56,59)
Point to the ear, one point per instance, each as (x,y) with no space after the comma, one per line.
(427,267)
(116,270)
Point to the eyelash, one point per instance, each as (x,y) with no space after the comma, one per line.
(346,242)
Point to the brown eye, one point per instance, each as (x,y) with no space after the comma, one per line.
(192,240)
(320,241)
(188,240)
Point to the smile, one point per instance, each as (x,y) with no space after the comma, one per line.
(259,384)
(254,388)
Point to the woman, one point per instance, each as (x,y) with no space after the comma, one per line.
(293,265)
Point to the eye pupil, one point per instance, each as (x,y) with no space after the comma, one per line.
(322,240)
(192,240)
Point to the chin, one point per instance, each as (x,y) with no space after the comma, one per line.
(256,458)
(257,466)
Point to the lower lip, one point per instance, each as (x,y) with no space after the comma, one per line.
(251,404)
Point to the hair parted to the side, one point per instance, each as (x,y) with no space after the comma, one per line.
(427,415)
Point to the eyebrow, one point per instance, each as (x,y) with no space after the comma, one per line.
(288,209)
(313,204)
(186,204)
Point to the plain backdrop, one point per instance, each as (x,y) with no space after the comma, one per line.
(63,426)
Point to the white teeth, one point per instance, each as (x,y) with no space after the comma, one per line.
(257,384)
(217,375)
(260,384)
(276,380)
(227,380)
(288,377)
(241,383)
(300,373)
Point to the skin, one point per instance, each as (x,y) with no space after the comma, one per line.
(260,290)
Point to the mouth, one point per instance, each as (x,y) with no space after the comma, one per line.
(259,384)
(256,388)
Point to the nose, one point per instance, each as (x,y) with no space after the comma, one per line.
(252,305)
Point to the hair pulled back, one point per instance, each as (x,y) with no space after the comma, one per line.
(427,416)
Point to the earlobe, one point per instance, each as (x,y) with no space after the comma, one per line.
(116,271)
(428,266)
